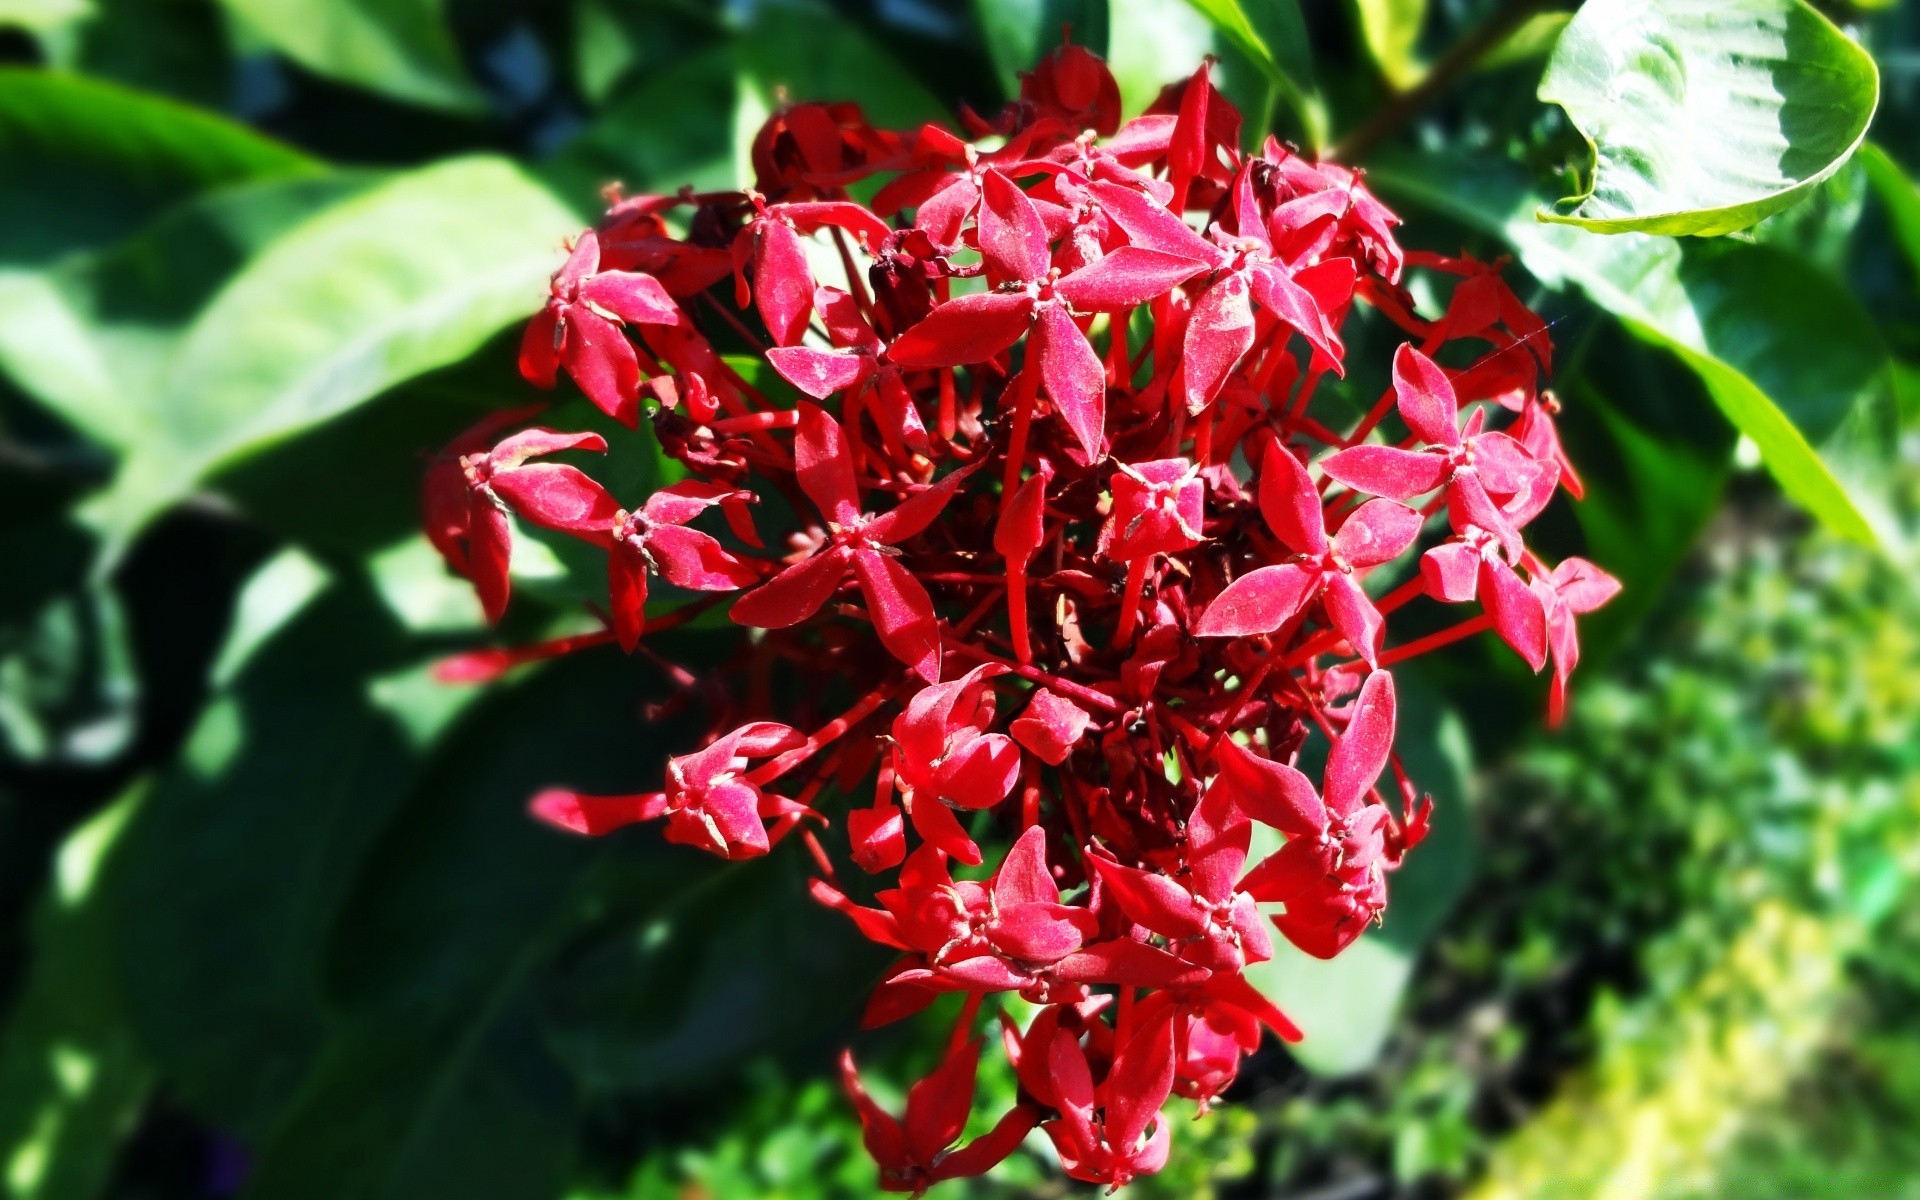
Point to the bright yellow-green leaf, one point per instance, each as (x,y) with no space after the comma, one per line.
(1391,28)
(1706,115)
(399,48)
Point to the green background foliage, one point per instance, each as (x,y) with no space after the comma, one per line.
(274,923)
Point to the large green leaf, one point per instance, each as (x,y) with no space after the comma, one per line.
(233,870)
(1152,43)
(72,1075)
(395,281)
(88,163)
(435,1082)
(400,48)
(1706,115)
(1786,354)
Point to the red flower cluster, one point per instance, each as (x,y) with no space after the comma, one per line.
(1052,448)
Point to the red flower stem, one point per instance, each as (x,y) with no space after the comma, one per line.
(949,420)
(963,1028)
(1119,370)
(819,854)
(1302,397)
(1029,797)
(752,339)
(1017,613)
(1203,434)
(1130,599)
(856,278)
(773,769)
(979,611)
(1066,687)
(1022,387)
(1434,641)
(1400,595)
(777,418)
(1225,724)
(479,666)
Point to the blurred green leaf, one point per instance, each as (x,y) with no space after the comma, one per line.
(72,1074)
(365,294)
(1706,115)
(38,15)
(1535,38)
(1273,36)
(1346,1006)
(233,870)
(1153,43)
(435,1082)
(808,52)
(1019,33)
(103,161)
(1391,29)
(1786,354)
(400,48)
(1899,194)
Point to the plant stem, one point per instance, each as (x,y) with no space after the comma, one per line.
(1460,59)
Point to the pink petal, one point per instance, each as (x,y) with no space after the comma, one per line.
(1258,602)
(578,812)
(1023,877)
(558,496)
(1138,1083)
(793,595)
(1152,226)
(1451,572)
(627,594)
(1126,278)
(1518,616)
(631,297)
(1361,753)
(1426,398)
(1050,727)
(581,262)
(539,357)
(602,362)
(1013,240)
(782,281)
(1387,470)
(1290,503)
(1037,933)
(1352,613)
(966,329)
(1295,306)
(1269,792)
(691,559)
(1219,332)
(939,828)
(489,545)
(1584,587)
(937,1106)
(901,611)
(916,512)
(1023,523)
(1150,899)
(983,774)
(825,465)
(817,373)
(877,838)
(1075,380)
(1379,531)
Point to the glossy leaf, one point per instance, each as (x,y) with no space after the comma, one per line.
(277,350)
(400,48)
(1786,354)
(1706,115)
(103,160)
(1899,195)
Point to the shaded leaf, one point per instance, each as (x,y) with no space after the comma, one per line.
(1706,115)
(400,48)
(1019,33)
(104,160)
(1272,35)
(1391,29)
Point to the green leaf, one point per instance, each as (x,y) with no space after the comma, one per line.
(1706,115)
(1273,36)
(72,1074)
(435,1081)
(1391,29)
(400,48)
(1535,38)
(103,161)
(39,15)
(1786,354)
(234,868)
(1346,1006)
(1152,43)
(1898,194)
(808,52)
(366,294)
(1019,33)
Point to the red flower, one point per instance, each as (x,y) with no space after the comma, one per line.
(1475,466)
(579,330)
(918,1151)
(464,516)
(897,603)
(1264,599)
(711,802)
